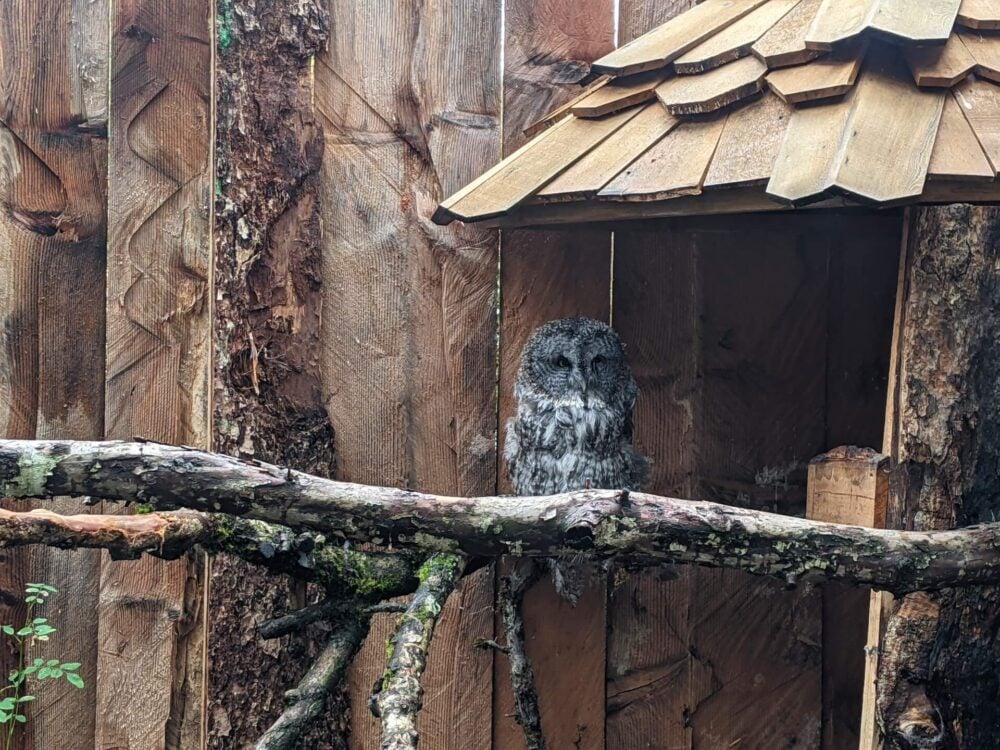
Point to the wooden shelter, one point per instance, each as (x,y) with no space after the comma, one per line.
(764,105)
(757,107)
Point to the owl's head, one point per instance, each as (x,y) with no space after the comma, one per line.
(577,358)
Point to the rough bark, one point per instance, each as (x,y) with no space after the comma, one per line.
(634,527)
(513,587)
(307,700)
(268,304)
(398,697)
(367,577)
(940,673)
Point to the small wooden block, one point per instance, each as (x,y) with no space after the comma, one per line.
(785,43)
(979,14)
(688,95)
(544,123)
(849,485)
(940,66)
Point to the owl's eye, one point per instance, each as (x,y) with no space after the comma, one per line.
(597,361)
(562,362)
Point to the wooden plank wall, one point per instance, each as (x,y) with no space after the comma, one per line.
(757,344)
(548,275)
(409,95)
(53,163)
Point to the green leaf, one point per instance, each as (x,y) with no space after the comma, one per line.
(4,717)
(21,718)
(26,699)
(7,704)
(75,680)
(71,666)
(8,630)
(44,630)
(57,673)
(52,663)
(26,630)
(44,673)
(38,662)
(32,600)
(39,621)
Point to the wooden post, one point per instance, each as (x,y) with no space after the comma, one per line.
(846,485)
(938,677)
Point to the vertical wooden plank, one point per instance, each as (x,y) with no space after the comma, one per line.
(548,275)
(268,310)
(862,291)
(53,157)
(408,353)
(158,352)
(653,678)
(636,17)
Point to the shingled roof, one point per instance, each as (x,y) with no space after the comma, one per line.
(752,105)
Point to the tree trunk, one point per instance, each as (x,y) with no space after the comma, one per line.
(940,673)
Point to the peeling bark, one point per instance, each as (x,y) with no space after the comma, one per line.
(368,577)
(939,680)
(634,527)
(522,677)
(398,697)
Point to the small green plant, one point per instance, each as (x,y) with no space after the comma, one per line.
(14,695)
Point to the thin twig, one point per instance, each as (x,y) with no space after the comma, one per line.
(325,610)
(513,587)
(397,697)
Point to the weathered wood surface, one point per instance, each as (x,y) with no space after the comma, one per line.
(548,275)
(830,76)
(740,160)
(682,297)
(158,352)
(944,65)
(785,42)
(957,153)
(942,679)
(409,319)
(268,400)
(983,113)
(688,95)
(53,188)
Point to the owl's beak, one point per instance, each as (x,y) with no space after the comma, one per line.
(579,381)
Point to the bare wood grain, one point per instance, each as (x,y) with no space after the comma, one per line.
(409,308)
(546,275)
(979,14)
(944,65)
(708,92)
(734,41)
(674,166)
(829,76)
(875,144)
(749,144)
(53,164)
(979,103)
(158,351)
(596,169)
(784,44)
(619,94)
(838,20)
(957,154)
(985,49)
(681,33)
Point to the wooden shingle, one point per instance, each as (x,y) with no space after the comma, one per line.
(666,43)
(734,41)
(979,14)
(839,20)
(688,95)
(785,43)
(943,66)
(957,154)
(829,76)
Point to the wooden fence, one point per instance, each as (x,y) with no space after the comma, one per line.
(232,249)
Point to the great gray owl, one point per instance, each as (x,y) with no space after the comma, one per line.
(573,428)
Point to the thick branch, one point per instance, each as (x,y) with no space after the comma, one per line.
(398,696)
(309,557)
(306,701)
(643,528)
(522,676)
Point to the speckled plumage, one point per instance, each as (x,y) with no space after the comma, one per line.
(573,427)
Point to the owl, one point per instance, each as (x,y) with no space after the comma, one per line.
(573,427)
